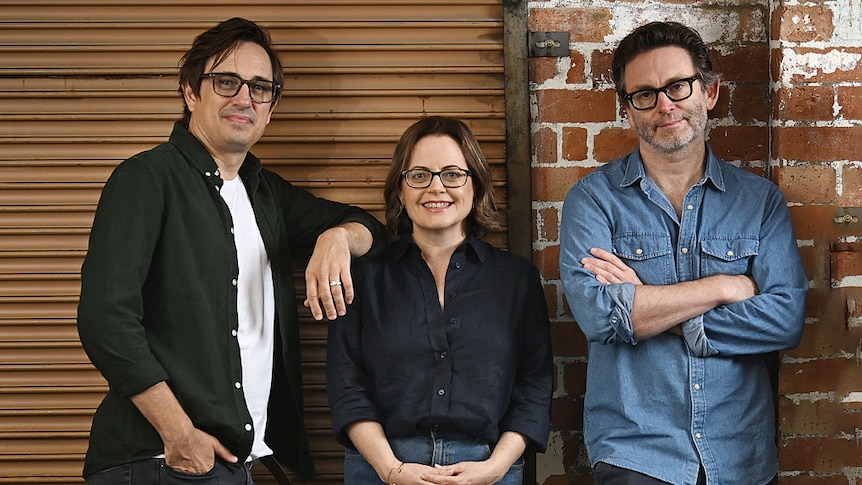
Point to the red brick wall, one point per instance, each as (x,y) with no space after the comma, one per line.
(790,109)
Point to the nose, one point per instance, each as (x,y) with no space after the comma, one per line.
(664,102)
(243,96)
(437,182)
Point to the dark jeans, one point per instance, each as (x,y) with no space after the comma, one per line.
(156,472)
(604,474)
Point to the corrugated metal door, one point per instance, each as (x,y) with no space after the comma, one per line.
(85,84)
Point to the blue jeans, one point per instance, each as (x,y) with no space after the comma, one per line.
(431,449)
(156,472)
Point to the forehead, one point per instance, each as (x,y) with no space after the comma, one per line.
(657,67)
(246,59)
(436,152)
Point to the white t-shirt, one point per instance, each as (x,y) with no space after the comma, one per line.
(255,308)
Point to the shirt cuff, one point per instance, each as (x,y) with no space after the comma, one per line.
(623,296)
(695,337)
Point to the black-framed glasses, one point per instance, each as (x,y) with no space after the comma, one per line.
(228,85)
(420,178)
(644,99)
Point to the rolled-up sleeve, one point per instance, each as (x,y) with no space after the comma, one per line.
(602,311)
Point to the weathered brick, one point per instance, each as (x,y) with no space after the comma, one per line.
(576,106)
(851,183)
(548,262)
(574,143)
(805,23)
(850,101)
(582,24)
(722,106)
(552,184)
(817,144)
(567,412)
(749,63)
(575,378)
(600,63)
(818,454)
(577,72)
(826,66)
(549,218)
(613,143)
(751,102)
(806,183)
(568,340)
(805,103)
(543,69)
(817,417)
(836,478)
(840,375)
(746,143)
(545,146)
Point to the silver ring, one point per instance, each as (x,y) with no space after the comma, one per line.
(334,283)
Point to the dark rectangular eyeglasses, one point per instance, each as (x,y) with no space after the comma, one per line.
(228,85)
(679,90)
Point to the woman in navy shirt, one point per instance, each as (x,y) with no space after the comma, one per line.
(441,371)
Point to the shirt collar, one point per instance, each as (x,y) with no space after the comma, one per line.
(634,170)
(201,159)
(474,247)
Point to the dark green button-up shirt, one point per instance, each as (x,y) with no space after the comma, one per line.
(159,296)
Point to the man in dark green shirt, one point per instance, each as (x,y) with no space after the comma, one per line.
(187,299)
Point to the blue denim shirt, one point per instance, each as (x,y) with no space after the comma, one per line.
(665,405)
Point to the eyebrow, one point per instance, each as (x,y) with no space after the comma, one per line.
(671,81)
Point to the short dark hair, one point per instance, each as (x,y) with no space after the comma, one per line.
(219,42)
(662,34)
(483,216)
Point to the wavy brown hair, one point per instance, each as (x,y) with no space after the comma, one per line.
(482,217)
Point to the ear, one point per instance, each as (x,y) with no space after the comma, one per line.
(712,95)
(190,97)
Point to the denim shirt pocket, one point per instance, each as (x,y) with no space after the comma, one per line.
(650,255)
(728,255)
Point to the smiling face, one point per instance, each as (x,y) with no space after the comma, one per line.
(229,127)
(669,126)
(438,211)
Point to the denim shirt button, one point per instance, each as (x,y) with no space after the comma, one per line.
(698,435)
(730,253)
(697,387)
(614,319)
(684,250)
(639,251)
(689,207)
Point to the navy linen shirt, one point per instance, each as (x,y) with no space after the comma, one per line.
(480,367)
(661,406)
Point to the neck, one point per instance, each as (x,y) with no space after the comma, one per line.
(680,169)
(437,246)
(228,162)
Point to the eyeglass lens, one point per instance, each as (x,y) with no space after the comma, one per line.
(228,85)
(678,90)
(419,178)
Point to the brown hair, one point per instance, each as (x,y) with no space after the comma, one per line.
(662,34)
(483,216)
(219,42)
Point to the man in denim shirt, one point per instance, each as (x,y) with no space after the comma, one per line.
(684,274)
